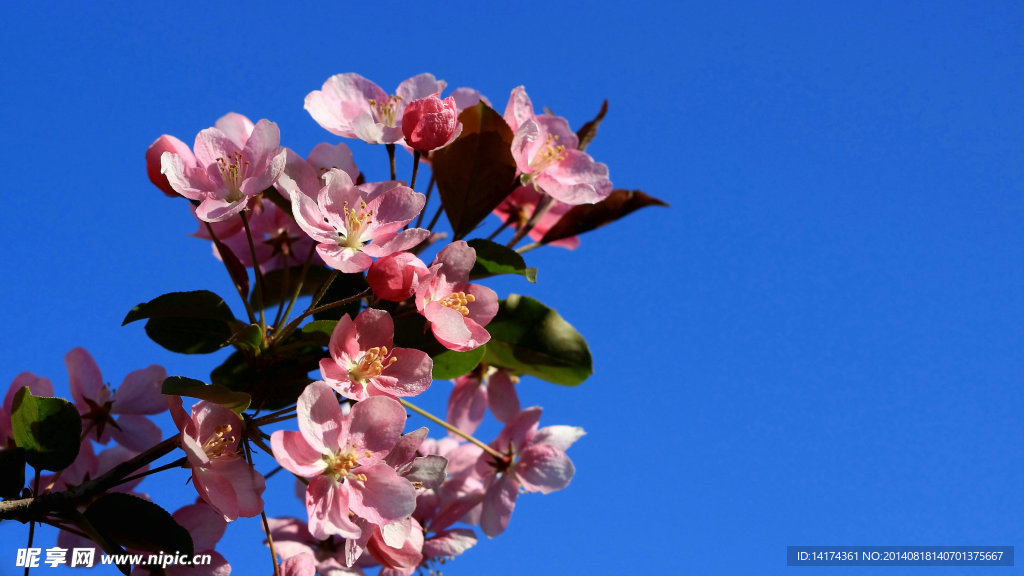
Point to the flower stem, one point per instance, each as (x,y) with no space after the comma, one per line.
(244,298)
(391,158)
(451,428)
(263,515)
(437,216)
(180,462)
(430,188)
(256,269)
(298,287)
(415,169)
(32,525)
(543,205)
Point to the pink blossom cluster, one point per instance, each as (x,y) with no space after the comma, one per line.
(375,493)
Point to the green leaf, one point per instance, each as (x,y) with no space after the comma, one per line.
(276,287)
(138,524)
(181,386)
(197,322)
(493,259)
(451,364)
(12,472)
(587,132)
(247,337)
(320,331)
(49,429)
(476,171)
(527,337)
(586,217)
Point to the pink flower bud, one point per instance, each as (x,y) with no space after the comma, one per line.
(394,277)
(163,144)
(430,123)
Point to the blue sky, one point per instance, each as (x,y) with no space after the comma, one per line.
(818,344)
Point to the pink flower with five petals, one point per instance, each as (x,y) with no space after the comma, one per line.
(456,309)
(343,455)
(353,224)
(363,362)
(210,437)
(236,161)
(138,396)
(538,464)
(545,151)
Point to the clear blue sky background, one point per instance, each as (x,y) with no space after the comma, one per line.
(819,343)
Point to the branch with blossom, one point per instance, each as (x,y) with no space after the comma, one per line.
(345,325)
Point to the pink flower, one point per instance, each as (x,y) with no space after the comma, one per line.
(343,456)
(545,150)
(430,123)
(221,475)
(519,207)
(353,107)
(166,143)
(38,386)
(456,309)
(538,464)
(236,161)
(470,399)
(354,223)
(138,395)
(395,276)
(363,362)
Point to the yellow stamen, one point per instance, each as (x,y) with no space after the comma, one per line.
(387,111)
(341,464)
(356,221)
(216,445)
(548,155)
(373,362)
(233,170)
(457,301)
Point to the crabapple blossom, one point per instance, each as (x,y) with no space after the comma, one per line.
(546,154)
(457,310)
(364,363)
(430,123)
(343,455)
(537,463)
(210,437)
(353,107)
(237,160)
(353,223)
(137,396)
